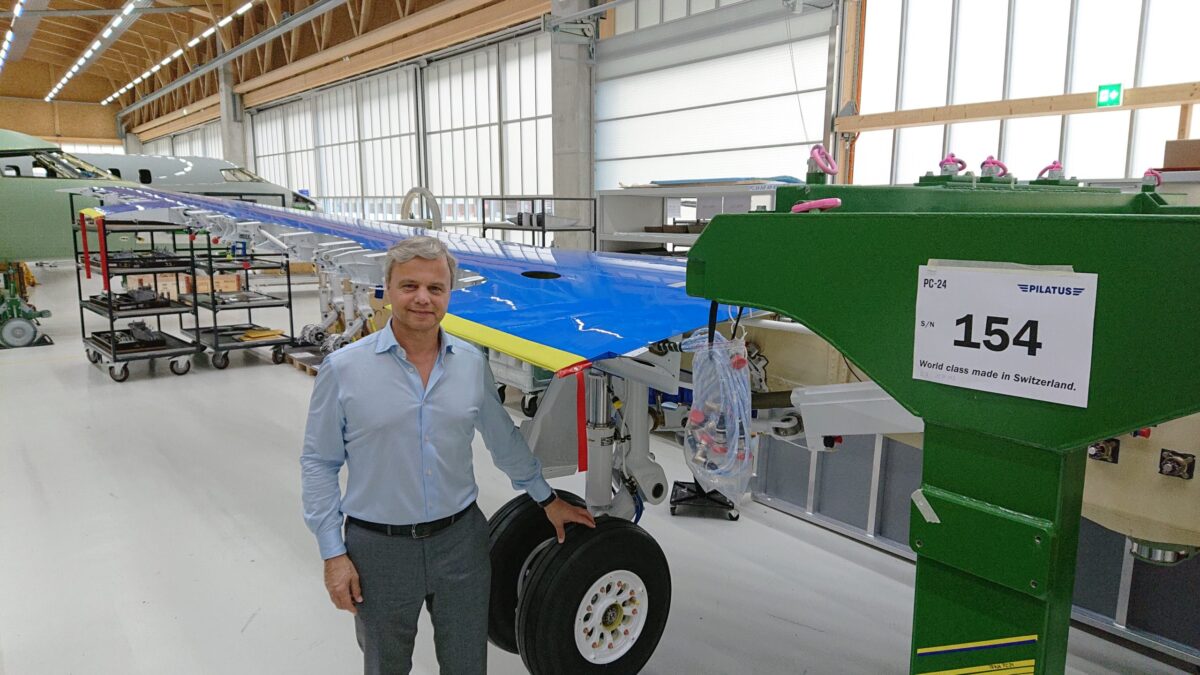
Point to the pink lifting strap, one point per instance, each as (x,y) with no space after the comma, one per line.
(817,205)
(824,162)
(1052,166)
(992,161)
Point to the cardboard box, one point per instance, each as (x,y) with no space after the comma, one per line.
(168,283)
(1182,155)
(225,283)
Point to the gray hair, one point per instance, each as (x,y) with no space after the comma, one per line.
(428,248)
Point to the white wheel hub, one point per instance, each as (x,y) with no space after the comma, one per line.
(611,616)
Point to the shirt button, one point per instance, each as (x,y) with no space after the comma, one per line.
(429,472)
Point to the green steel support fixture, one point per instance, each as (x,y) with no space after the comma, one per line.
(998,523)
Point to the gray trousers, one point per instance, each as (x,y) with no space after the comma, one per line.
(449,572)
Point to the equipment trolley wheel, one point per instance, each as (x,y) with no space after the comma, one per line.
(220,360)
(515,531)
(529,404)
(277,355)
(119,373)
(598,603)
(181,367)
(93,356)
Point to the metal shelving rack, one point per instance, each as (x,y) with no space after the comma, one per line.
(532,215)
(221,339)
(109,346)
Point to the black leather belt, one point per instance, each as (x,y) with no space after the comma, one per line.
(416,531)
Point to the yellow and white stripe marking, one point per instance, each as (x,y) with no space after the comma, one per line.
(982,644)
(1003,668)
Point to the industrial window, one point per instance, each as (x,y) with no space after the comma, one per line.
(358,147)
(200,141)
(751,106)
(144,176)
(93,148)
(919,51)
(115,172)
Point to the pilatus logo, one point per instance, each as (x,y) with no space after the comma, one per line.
(1050,290)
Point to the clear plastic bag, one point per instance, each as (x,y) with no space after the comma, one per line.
(717,441)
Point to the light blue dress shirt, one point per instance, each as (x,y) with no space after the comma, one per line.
(407,446)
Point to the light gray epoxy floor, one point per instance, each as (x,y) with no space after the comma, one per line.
(154,527)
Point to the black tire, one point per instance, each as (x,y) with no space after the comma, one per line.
(529,405)
(220,360)
(733,515)
(119,373)
(514,531)
(181,367)
(562,577)
(93,356)
(277,355)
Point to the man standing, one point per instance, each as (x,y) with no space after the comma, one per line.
(400,408)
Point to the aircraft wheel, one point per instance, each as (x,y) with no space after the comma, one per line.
(529,404)
(17,332)
(119,373)
(597,603)
(515,531)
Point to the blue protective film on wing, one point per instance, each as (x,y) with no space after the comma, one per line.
(599,305)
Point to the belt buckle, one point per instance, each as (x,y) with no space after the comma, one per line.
(416,532)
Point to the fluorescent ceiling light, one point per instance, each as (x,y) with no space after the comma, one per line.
(104,103)
(8,36)
(244,8)
(17,8)
(75,68)
(207,33)
(157,67)
(117,21)
(107,32)
(146,75)
(96,44)
(177,53)
(127,10)
(88,53)
(165,61)
(224,22)
(193,42)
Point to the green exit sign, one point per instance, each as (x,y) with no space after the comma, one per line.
(1108,95)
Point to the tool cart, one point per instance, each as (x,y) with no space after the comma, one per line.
(218,264)
(152,255)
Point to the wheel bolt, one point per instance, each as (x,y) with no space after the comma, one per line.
(610,645)
(635,612)
(595,645)
(627,631)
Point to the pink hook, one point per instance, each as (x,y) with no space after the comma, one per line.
(951,159)
(1156,175)
(1052,166)
(817,205)
(823,161)
(992,161)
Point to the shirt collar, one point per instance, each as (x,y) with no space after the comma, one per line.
(387,341)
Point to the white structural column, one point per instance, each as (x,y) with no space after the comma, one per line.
(571,87)
(233,135)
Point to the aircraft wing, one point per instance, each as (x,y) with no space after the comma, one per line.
(554,308)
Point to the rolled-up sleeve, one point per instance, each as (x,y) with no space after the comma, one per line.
(320,461)
(509,450)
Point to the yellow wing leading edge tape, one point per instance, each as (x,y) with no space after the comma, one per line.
(539,355)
